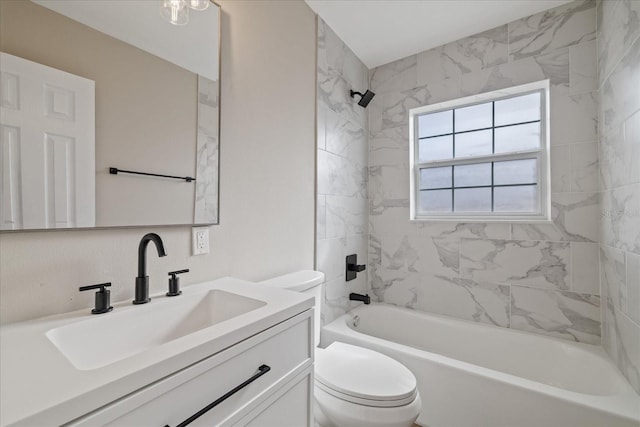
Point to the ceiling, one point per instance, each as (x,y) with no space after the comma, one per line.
(381,31)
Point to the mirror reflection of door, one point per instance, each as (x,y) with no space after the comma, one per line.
(47,147)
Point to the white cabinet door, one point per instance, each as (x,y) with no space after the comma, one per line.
(47,147)
(291,406)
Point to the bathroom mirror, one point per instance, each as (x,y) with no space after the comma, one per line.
(143,90)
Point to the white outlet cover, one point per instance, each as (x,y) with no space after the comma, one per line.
(200,240)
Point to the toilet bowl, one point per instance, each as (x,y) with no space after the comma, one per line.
(354,386)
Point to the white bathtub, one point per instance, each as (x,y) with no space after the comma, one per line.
(479,375)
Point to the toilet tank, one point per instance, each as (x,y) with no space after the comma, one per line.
(305,281)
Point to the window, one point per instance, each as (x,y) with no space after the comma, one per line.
(482,158)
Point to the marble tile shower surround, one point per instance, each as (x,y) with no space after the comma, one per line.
(541,278)
(619,180)
(207,152)
(343,210)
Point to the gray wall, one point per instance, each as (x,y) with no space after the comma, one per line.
(619,83)
(536,278)
(342,170)
(267,201)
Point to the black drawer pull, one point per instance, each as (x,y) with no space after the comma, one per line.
(263,369)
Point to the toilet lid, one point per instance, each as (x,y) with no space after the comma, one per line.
(367,376)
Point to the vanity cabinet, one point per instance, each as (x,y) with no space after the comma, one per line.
(281,396)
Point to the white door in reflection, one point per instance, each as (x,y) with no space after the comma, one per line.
(47,147)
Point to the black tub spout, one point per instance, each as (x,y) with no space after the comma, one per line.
(359,297)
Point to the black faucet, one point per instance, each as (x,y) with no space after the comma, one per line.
(142,281)
(359,297)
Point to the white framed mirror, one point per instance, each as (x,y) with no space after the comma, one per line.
(112,80)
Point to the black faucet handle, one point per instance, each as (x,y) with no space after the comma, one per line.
(102,299)
(174,282)
(100,286)
(173,273)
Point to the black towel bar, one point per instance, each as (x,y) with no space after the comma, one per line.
(115,171)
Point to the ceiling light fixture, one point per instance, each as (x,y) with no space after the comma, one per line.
(199,4)
(177,11)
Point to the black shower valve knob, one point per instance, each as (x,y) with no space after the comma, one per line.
(357,268)
(352,267)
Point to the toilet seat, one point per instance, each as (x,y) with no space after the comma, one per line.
(364,376)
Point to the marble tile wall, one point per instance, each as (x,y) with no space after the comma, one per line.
(207,153)
(342,216)
(538,278)
(619,177)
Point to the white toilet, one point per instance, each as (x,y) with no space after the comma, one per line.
(354,386)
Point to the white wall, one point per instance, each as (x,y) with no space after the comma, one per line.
(267,182)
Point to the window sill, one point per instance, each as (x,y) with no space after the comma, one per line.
(531,221)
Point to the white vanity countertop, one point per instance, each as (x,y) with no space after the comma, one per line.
(40,386)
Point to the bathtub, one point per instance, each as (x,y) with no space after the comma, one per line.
(475,375)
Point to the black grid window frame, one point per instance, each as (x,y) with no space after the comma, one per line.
(483,160)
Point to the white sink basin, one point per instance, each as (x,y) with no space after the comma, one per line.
(108,338)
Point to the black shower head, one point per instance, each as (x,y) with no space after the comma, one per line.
(365,98)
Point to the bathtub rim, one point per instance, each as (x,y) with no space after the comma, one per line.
(625,403)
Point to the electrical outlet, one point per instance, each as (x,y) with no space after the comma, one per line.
(200,239)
